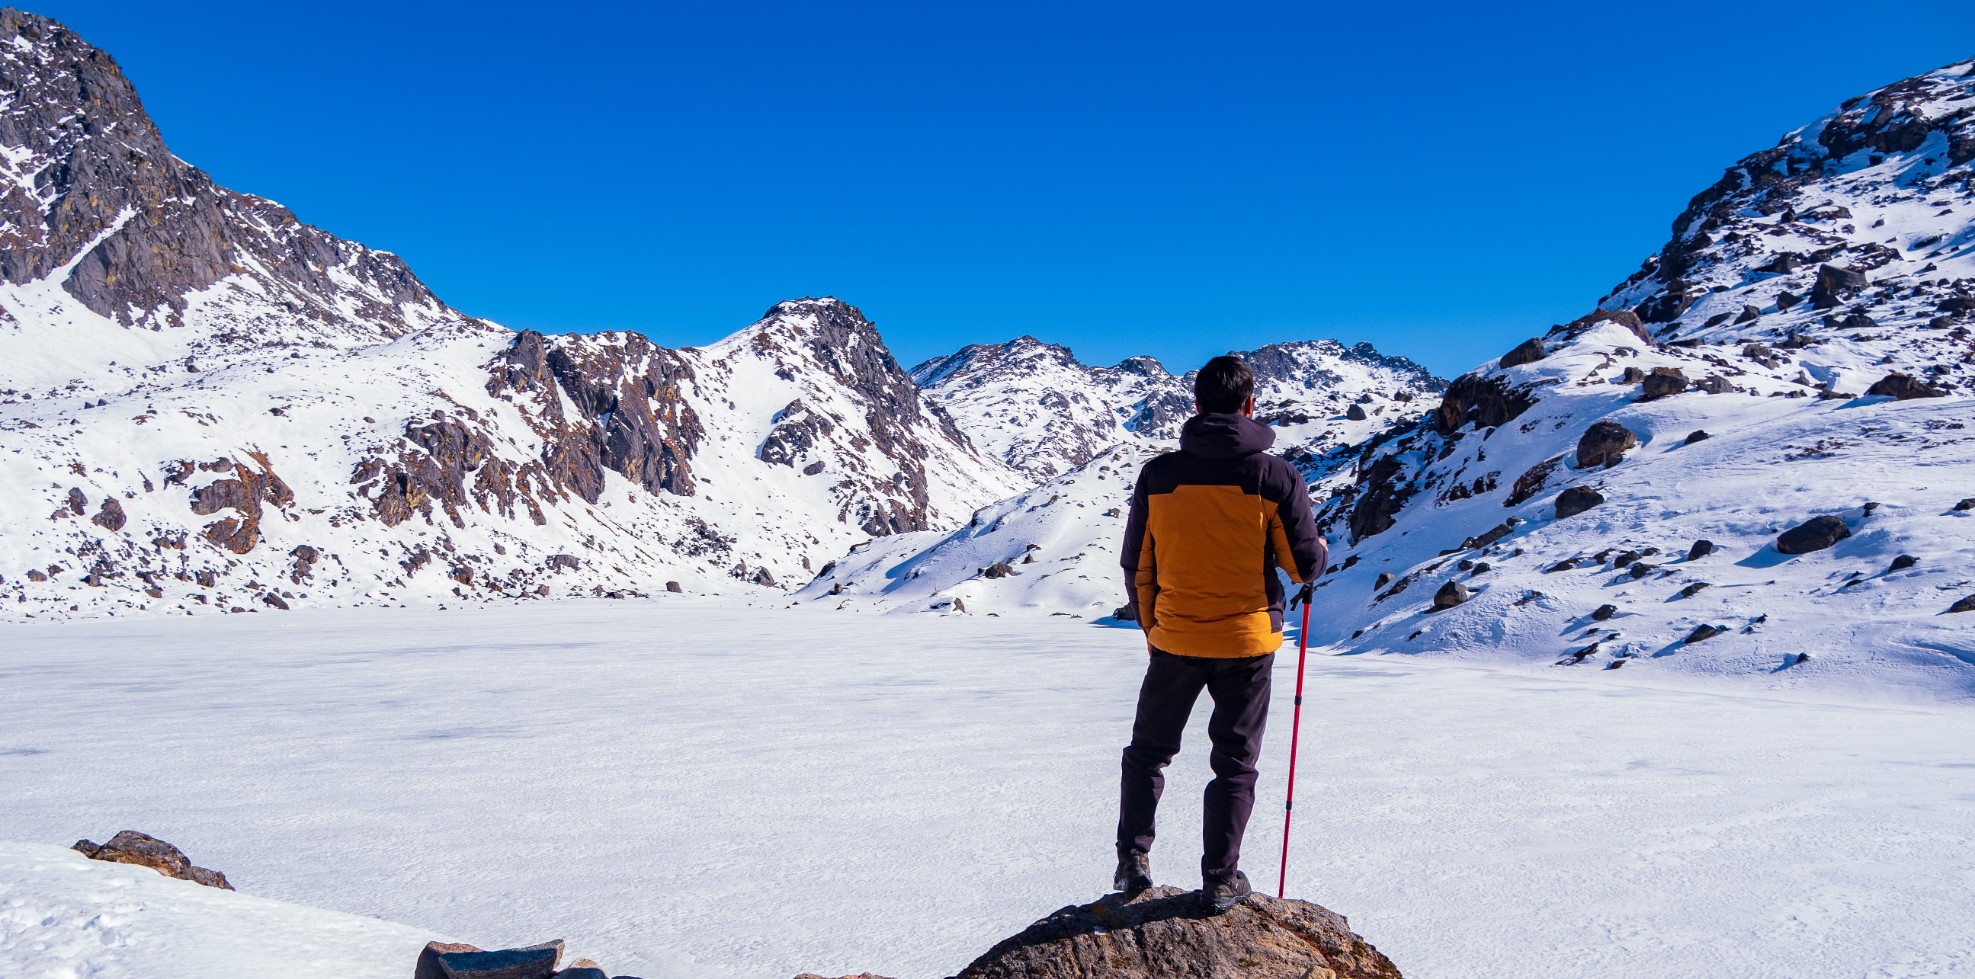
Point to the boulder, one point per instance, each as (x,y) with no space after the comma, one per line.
(1815,534)
(1904,387)
(130,846)
(1903,562)
(1965,505)
(1451,594)
(1697,435)
(109,514)
(1703,632)
(1162,932)
(1663,382)
(1604,444)
(533,962)
(675,588)
(1527,352)
(998,569)
(1356,413)
(1384,578)
(1702,548)
(428,958)
(1576,500)
(1604,613)
(1965,605)
(1834,285)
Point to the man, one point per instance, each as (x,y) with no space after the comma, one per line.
(1209,526)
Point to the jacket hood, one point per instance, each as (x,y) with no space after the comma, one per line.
(1224,436)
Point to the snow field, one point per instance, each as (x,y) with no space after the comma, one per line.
(689,789)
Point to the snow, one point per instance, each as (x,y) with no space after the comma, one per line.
(692,788)
(66,917)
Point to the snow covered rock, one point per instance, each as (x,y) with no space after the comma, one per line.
(1160,932)
(130,846)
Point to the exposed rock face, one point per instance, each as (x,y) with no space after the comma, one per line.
(1159,933)
(151,229)
(1604,444)
(1484,400)
(244,494)
(130,846)
(1814,534)
(1451,594)
(1527,352)
(1382,497)
(1663,382)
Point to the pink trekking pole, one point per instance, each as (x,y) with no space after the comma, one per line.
(1295,727)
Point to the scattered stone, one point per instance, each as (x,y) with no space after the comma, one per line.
(1816,534)
(1451,594)
(1703,632)
(130,846)
(765,578)
(1604,444)
(428,958)
(1527,352)
(1697,435)
(1641,569)
(533,962)
(1356,413)
(998,569)
(675,588)
(1833,285)
(1162,932)
(1483,567)
(1694,589)
(1604,612)
(1492,535)
(1626,558)
(1615,664)
(1567,564)
(1663,382)
(1384,578)
(273,600)
(1965,505)
(1702,548)
(1576,500)
(1965,605)
(1800,659)
(109,514)
(1903,562)
(1904,387)
(564,562)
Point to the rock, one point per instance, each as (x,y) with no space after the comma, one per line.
(564,562)
(1703,632)
(861,975)
(1604,444)
(1702,548)
(1527,352)
(998,569)
(1451,594)
(1531,481)
(1615,664)
(1356,413)
(1160,933)
(1965,505)
(1641,569)
(1815,534)
(533,962)
(130,846)
(273,600)
(1904,387)
(1567,564)
(1787,299)
(1903,562)
(765,578)
(109,515)
(582,972)
(1490,536)
(675,588)
(1965,605)
(1625,558)
(428,958)
(1576,500)
(1485,401)
(1384,578)
(1604,613)
(1834,285)
(1694,589)
(1663,382)
(1697,435)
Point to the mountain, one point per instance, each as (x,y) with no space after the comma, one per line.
(1034,406)
(1799,349)
(206,403)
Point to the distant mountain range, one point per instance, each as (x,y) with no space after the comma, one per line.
(207,404)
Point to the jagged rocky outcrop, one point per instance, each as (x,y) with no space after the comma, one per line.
(130,846)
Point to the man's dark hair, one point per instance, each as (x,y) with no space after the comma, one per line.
(1224,385)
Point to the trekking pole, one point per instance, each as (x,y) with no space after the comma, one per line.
(1295,727)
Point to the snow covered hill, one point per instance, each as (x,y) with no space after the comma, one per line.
(1800,348)
(206,404)
(1034,406)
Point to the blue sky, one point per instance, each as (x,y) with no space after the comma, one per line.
(1175,179)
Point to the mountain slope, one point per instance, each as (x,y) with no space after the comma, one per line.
(1800,349)
(205,403)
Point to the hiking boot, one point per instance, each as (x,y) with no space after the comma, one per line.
(1134,872)
(1226,894)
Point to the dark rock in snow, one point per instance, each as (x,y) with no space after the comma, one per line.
(1576,500)
(1834,285)
(1161,932)
(1451,594)
(109,514)
(1904,387)
(1604,444)
(1694,589)
(674,587)
(1815,534)
(1356,413)
(1965,505)
(1702,548)
(1384,578)
(1697,435)
(1965,605)
(1702,632)
(130,846)
(1663,382)
(998,569)
(533,962)
(1903,562)
(1531,481)
(1527,352)
(1603,613)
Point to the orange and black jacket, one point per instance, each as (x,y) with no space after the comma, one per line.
(1209,526)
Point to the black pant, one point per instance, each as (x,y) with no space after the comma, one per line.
(1240,688)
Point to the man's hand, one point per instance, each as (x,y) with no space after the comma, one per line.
(1149,648)
(1303,594)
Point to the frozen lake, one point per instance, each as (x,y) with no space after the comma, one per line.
(685,789)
